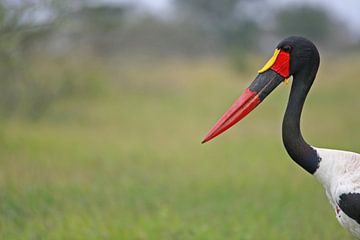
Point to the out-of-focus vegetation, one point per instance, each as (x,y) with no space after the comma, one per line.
(65,33)
(103,108)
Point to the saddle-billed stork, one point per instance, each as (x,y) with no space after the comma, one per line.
(338,171)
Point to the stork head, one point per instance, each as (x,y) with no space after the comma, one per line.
(301,52)
(290,57)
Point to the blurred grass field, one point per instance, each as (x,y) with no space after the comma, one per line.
(126,162)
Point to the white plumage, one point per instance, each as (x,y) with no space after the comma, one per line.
(339,173)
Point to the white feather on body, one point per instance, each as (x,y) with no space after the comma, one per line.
(339,173)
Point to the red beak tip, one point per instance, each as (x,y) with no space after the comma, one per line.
(240,108)
(205,140)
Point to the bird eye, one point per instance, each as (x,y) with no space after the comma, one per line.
(286,48)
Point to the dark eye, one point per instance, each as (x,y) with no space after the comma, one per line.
(286,48)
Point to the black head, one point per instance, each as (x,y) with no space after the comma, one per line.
(303,54)
(295,56)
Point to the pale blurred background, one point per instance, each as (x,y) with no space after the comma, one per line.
(103,105)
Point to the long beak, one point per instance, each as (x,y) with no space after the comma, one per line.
(262,86)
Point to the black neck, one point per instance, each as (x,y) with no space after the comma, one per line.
(300,151)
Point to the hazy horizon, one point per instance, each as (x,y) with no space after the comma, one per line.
(347,13)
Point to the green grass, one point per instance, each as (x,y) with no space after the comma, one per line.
(128,163)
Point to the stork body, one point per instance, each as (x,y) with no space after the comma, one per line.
(337,171)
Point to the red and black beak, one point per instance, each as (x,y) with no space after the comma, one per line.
(275,71)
